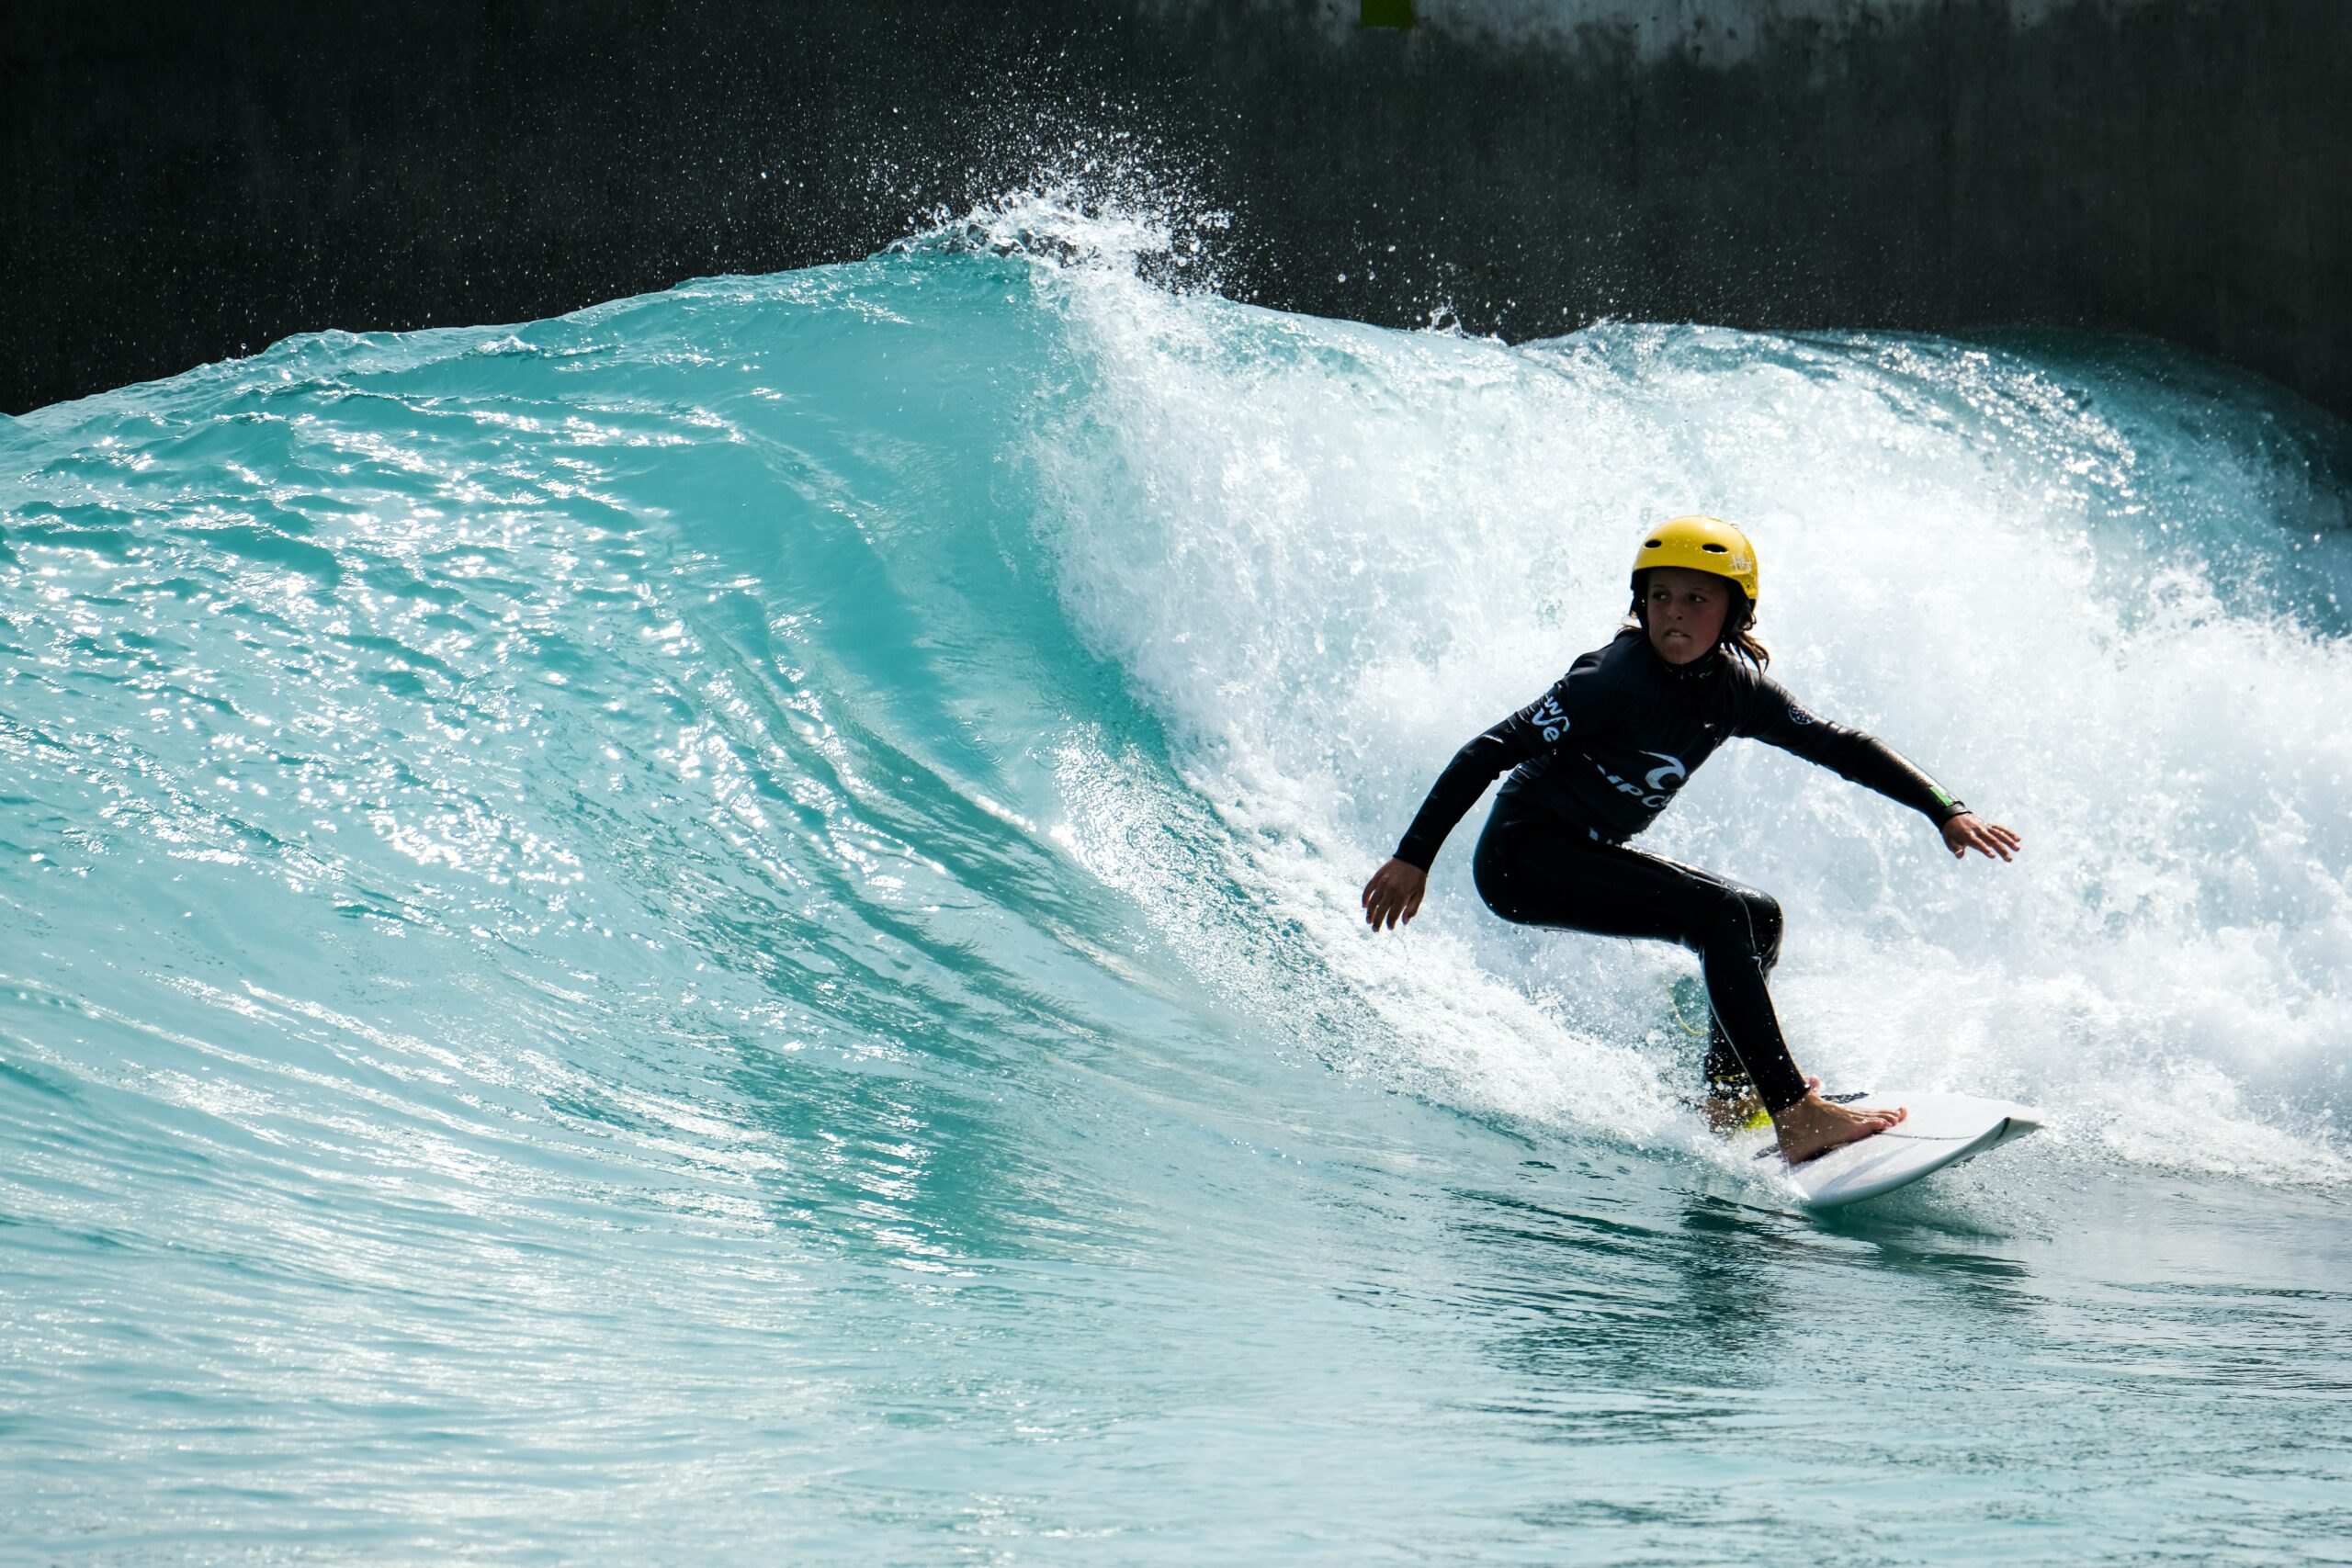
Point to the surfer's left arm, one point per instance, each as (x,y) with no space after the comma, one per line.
(1780,720)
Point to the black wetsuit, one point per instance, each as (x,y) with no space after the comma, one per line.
(1597,758)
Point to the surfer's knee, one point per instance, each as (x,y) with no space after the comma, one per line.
(1747,922)
(1764,919)
(1492,876)
(1493,873)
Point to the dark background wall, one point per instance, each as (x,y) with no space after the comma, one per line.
(183,183)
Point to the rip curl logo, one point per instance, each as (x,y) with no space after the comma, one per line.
(1662,782)
(1550,717)
(1798,715)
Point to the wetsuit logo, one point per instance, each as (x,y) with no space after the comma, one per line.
(1662,782)
(1551,717)
(1673,769)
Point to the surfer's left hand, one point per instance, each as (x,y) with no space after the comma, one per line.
(1969,831)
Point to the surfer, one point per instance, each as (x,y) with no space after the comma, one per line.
(1596,759)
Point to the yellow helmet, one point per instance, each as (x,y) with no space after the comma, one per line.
(1703,544)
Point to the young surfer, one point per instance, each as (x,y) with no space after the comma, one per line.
(1602,752)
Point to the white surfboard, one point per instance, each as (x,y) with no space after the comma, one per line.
(1942,1130)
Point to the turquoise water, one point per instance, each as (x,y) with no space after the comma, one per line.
(724,929)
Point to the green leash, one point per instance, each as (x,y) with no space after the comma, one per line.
(1759,1117)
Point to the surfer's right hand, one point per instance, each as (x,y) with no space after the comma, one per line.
(1394,893)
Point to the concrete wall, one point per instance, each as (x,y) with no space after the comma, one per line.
(183,183)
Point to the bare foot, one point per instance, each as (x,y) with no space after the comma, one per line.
(1812,1126)
(1735,1112)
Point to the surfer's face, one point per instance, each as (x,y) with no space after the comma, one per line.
(1685,611)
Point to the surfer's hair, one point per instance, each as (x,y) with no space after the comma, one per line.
(1738,635)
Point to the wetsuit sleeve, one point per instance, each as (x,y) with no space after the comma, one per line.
(1578,700)
(1779,719)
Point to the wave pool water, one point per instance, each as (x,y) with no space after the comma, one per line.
(725,928)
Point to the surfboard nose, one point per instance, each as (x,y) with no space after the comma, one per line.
(1942,1130)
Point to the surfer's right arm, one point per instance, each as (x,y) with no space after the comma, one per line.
(1394,893)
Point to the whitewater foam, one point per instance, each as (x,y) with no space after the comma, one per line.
(1329,554)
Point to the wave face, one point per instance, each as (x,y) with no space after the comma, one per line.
(730,921)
